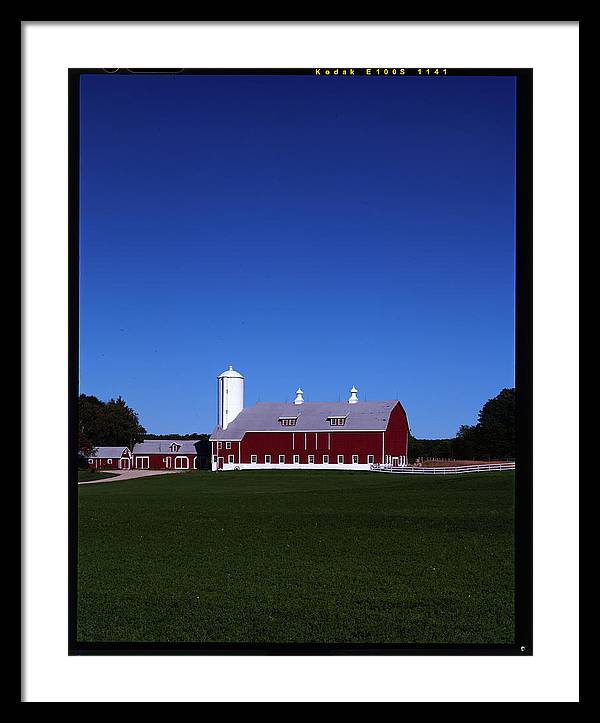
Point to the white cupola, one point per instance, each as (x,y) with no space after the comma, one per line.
(230,393)
(353,398)
(299,396)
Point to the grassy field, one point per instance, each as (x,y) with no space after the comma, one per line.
(89,475)
(297,556)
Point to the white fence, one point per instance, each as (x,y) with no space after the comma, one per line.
(492,466)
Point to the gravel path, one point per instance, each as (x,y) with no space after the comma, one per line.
(133,474)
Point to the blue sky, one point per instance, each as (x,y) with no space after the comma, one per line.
(312,231)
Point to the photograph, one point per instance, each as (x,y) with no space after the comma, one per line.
(300,361)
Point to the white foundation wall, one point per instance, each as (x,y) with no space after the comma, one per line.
(255,465)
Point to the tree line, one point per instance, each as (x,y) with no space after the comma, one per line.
(493,437)
(113,423)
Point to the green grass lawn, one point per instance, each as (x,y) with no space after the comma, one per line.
(88,475)
(298,556)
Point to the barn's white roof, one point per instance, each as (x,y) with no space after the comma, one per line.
(163,446)
(311,417)
(110,451)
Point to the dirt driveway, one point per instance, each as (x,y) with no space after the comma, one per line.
(133,474)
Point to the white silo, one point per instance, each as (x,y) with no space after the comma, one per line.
(230,396)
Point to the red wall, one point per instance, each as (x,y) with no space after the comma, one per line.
(102,462)
(396,434)
(158,461)
(315,443)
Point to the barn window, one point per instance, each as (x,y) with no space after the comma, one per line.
(311,459)
(296,459)
(370,458)
(288,421)
(354,459)
(253,459)
(337,421)
(282,459)
(109,461)
(340,459)
(325,459)
(231,459)
(267,459)
(214,457)
(219,445)
(227,445)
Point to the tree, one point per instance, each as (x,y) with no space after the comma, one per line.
(85,447)
(494,436)
(110,423)
(90,413)
(496,425)
(466,444)
(122,424)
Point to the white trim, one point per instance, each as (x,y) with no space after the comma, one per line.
(142,458)
(267,459)
(280,458)
(318,465)
(182,457)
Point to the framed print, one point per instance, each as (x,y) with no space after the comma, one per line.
(300,348)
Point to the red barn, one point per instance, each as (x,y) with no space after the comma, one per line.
(311,435)
(165,454)
(110,458)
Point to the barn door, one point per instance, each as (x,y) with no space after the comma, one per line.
(220,463)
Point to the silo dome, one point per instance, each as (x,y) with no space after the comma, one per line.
(231,373)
